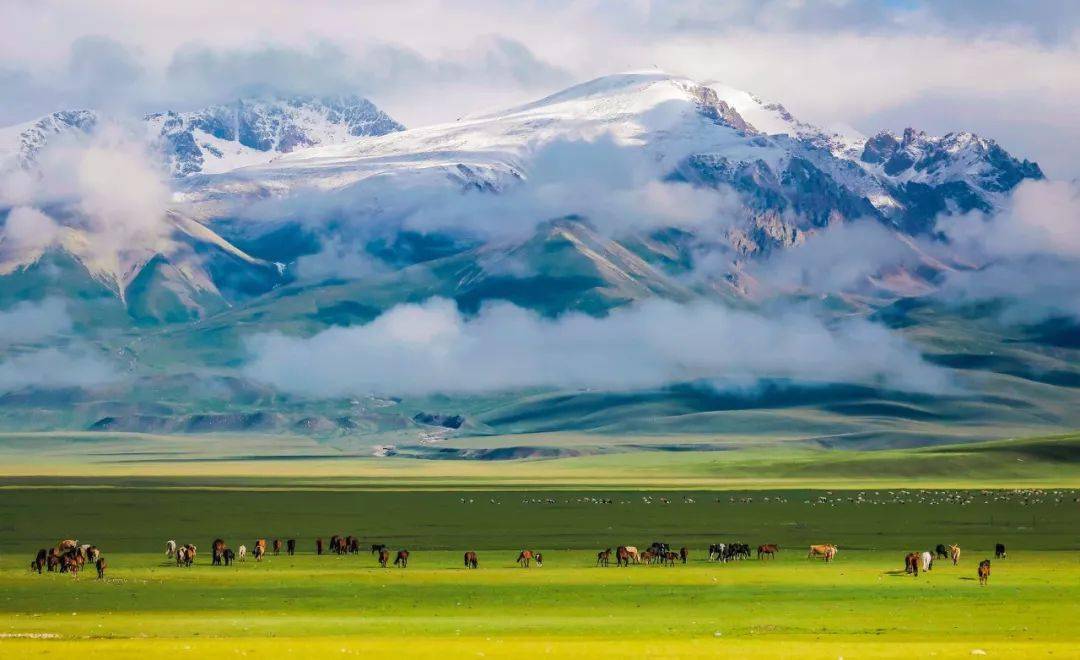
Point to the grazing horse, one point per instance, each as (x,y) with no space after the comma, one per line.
(767,550)
(635,556)
(55,560)
(170,548)
(290,546)
(377,547)
(941,551)
(277,546)
(40,561)
(622,556)
(524,557)
(716,551)
(603,558)
(72,563)
(67,544)
(646,557)
(241,552)
(684,554)
(101,565)
(318,546)
(911,563)
(384,556)
(927,560)
(354,545)
(402,559)
(999,551)
(669,557)
(984,571)
(217,549)
(954,552)
(470,560)
(827,551)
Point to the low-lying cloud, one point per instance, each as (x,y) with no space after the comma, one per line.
(1027,255)
(433,348)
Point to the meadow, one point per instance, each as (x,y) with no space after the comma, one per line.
(304,606)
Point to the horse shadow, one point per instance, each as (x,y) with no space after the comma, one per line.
(898,573)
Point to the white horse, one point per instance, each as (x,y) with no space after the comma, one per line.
(170,548)
(241,552)
(927,560)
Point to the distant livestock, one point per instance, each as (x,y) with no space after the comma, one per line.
(402,559)
(999,551)
(471,560)
(911,563)
(984,572)
(241,553)
(826,551)
(170,548)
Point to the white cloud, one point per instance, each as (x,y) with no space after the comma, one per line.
(431,347)
(30,321)
(53,368)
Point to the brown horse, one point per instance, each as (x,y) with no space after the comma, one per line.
(622,556)
(384,557)
(318,546)
(767,550)
(603,558)
(470,560)
(826,551)
(911,563)
(41,560)
(684,554)
(217,548)
(101,566)
(402,559)
(524,558)
(277,546)
(984,572)
(647,557)
(260,549)
(669,557)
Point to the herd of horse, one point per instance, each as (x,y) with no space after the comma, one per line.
(69,556)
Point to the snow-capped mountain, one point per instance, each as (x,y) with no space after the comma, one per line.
(253,131)
(20,144)
(703,133)
(217,138)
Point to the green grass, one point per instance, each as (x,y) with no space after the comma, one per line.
(734,463)
(306,606)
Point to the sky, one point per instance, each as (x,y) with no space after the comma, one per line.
(1004,68)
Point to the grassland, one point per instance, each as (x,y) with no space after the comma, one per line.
(305,606)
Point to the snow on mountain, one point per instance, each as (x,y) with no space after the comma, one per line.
(705,134)
(254,131)
(20,144)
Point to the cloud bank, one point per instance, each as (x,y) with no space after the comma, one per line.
(433,348)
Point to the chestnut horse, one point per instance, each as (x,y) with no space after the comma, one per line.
(984,572)
(524,558)
(384,556)
(911,563)
(402,559)
(470,560)
(767,550)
